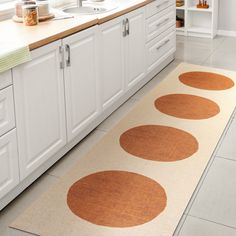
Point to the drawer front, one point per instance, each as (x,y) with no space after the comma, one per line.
(160,22)
(157,6)
(7,116)
(9,169)
(157,48)
(5,79)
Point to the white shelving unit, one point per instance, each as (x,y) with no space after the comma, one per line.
(198,22)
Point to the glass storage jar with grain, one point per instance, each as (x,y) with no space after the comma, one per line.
(30,15)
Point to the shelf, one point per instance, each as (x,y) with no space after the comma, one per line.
(196,29)
(180,8)
(181,29)
(194,8)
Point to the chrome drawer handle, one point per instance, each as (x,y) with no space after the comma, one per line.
(124,28)
(163,22)
(61,52)
(68,62)
(167,41)
(162,4)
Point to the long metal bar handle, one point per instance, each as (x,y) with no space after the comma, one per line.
(61,51)
(162,4)
(68,61)
(124,27)
(167,41)
(127,26)
(163,22)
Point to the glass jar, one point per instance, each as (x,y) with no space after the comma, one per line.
(30,15)
(19,4)
(43,8)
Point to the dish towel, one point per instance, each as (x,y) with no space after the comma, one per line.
(11,57)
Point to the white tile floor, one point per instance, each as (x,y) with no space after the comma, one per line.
(212,209)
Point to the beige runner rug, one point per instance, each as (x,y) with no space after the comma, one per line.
(139,178)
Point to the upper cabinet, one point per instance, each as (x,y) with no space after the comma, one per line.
(40,107)
(81,80)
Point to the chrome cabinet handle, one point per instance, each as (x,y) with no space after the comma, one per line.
(162,4)
(124,28)
(127,26)
(167,41)
(163,22)
(61,51)
(68,62)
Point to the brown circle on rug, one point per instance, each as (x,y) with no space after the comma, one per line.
(206,80)
(158,143)
(187,106)
(116,198)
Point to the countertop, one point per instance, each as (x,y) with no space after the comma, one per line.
(46,32)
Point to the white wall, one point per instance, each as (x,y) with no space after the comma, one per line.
(227,15)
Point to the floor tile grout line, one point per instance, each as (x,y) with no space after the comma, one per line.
(200,183)
(227,127)
(226,158)
(218,223)
(208,167)
(185,217)
(213,51)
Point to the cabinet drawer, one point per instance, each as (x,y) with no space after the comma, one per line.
(5,79)
(157,6)
(9,170)
(160,22)
(7,117)
(158,48)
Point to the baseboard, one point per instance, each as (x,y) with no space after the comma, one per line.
(226,33)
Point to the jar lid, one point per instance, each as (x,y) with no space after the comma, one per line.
(44,2)
(32,6)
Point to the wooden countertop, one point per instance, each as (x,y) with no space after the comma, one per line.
(49,31)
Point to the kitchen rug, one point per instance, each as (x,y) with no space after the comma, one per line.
(139,178)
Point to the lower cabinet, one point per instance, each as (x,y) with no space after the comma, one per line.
(111,61)
(40,107)
(81,81)
(135,48)
(70,83)
(9,169)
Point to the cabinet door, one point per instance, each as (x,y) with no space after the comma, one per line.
(7,117)
(40,107)
(111,61)
(81,84)
(135,47)
(9,170)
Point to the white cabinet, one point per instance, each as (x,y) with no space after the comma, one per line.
(135,48)
(81,80)
(122,55)
(9,170)
(160,33)
(111,61)
(40,107)
(7,117)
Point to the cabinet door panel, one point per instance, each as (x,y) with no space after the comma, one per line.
(7,117)
(111,61)
(135,48)
(81,85)
(40,108)
(9,170)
